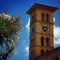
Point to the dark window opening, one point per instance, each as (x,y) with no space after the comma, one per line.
(42,41)
(42,17)
(47,17)
(47,41)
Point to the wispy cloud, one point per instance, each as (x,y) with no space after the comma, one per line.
(28,29)
(27,50)
(28,24)
(54,19)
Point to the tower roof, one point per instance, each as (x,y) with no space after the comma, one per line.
(35,6)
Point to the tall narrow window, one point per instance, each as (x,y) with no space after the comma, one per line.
(42,16)
(47,17)
(42,41)
(47,41)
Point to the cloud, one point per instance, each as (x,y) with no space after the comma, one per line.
(27,50)
(56,35)
(28,24)
(24,41)
(28,29)
(54,19)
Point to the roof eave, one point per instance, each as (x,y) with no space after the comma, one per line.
(53,9)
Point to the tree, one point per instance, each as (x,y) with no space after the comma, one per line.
(9,26)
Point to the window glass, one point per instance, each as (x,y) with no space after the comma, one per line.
(47,17)
(42,41)
(47,41)
(42,16)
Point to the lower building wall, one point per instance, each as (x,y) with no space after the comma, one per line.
(54,55)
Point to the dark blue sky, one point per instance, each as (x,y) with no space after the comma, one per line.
(21,6)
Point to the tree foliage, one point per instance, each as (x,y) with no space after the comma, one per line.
(9,26)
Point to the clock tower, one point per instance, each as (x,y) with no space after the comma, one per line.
(41,30)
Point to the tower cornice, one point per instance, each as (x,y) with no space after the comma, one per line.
(37,6)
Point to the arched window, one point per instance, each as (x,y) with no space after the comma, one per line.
(42,51)
(42,16)
(47,41)
(42,41)
(47,17)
